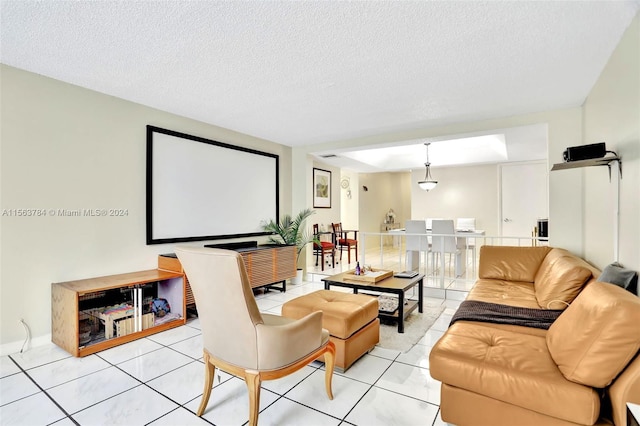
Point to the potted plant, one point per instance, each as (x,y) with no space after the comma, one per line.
(291,231)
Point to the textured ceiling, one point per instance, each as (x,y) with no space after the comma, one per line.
(309,72)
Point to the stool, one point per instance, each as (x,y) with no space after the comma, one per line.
(351,319)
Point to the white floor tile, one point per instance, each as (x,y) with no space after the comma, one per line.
(7,366)
(306,289)
(40,355)
(282,297)
(229,403)
(128,351)
(191,347)
(180,417)
(67,369)
(418,356)
(64,422)
(185,383)
(265,304)
(456,295)
(453,304)
(16,386)
(285,384)
(154,364)
(136,406)
(431,337)
(381,407)
(367,369)
(285,412)
(311,392)
(384,353)
(434,293)
(275,311)
(194,323)
(442,323)
(174,335)
(22,412)
(439,421)
(88,390)
(411,381)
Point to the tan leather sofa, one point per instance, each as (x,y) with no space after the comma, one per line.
(581,371)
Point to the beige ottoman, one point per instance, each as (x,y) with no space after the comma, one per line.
(351,319)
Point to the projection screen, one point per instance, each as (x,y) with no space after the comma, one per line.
(200,189)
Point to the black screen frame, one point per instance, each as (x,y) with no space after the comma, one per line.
(149,187)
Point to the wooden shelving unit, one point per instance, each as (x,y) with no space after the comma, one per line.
(79,321)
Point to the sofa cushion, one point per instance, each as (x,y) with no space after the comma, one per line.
(503,292)
(510,263)
(596,337)
(511,367)
(559,280)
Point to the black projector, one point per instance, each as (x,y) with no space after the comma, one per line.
(585,152)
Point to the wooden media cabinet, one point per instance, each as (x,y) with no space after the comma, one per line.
(94,314)
(266,265)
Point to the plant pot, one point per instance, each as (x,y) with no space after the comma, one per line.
(298,278)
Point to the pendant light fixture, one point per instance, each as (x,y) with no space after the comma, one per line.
(428,183)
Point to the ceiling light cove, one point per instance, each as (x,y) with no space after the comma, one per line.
(471,150)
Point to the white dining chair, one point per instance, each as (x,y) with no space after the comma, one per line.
(466,243)
(445,243)
(416,243)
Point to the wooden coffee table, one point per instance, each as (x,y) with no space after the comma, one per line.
(393,285)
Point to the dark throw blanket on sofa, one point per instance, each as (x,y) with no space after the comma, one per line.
(472,310)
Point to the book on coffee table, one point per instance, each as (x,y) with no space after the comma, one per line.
(406,274)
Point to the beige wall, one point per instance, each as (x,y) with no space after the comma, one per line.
(461,192)
(385,191)
(349,205)
(612,115)
(65,147)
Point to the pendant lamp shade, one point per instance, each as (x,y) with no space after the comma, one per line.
(428,183)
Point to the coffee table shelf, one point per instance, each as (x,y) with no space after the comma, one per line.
(391,285)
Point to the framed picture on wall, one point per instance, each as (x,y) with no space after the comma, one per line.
(321,188)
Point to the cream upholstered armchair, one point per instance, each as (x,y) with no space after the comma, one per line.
(239,339)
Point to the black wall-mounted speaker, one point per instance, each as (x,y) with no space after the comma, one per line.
(585,152)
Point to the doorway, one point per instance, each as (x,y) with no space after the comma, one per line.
(524,189)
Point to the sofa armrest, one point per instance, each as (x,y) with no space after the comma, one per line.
(626,388)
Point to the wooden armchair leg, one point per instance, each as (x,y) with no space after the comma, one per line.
(209,373)
(329,363)
(253,384)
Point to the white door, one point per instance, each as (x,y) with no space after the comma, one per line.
(524,199)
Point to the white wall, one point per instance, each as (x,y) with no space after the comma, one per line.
(612,115)
(65,147)
(461,192)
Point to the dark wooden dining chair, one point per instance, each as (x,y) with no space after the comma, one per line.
(321,248)
(343,242)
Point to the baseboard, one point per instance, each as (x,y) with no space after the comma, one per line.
(15,347)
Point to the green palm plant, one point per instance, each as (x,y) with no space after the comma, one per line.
(291,231)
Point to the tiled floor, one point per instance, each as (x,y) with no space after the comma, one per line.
(158,380)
